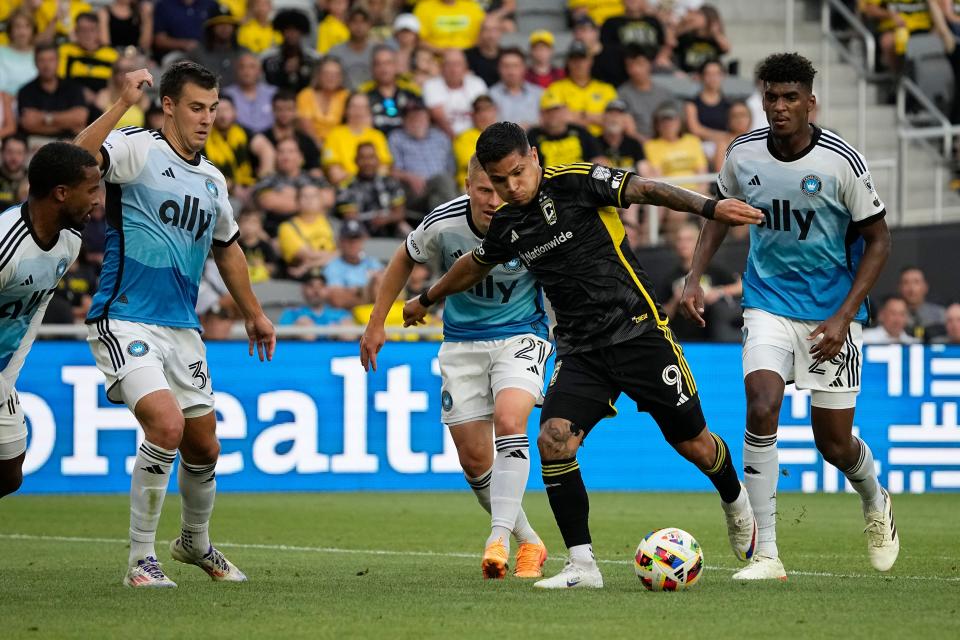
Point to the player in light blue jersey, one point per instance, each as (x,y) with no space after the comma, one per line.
(166,206)
(810,267)
(492,365)
(39,240)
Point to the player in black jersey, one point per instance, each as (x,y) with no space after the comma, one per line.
(612,336)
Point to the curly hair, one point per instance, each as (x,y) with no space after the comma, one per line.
(787,67)
(55,164)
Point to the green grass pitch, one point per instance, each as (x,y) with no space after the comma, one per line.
(401,565)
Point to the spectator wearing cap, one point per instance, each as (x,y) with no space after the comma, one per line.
(352,275)
(641,96)
(388,93)
(306,239)
(48,105)
(320,106)
(376,200)
(290,65)
(355,53)
(672,152)
(284,107)
(923,317)
(332,29)
(450,96)
(87,59)
(340,148)
(482,58)
(406,39)
(465,145)
(700,38)
(585,97)
(559,140)
(220,49)
(13,171)
(639,27)
(449,24)
(257,34)
(517,100)
(423,160)
(951,326)
(706,115)
(178,25)
(234,150)
(541,71)
(893,320)
(316,311)
(252,97)
(263,263)
(276,195)
(619,149)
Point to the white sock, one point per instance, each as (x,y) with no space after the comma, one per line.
(481,488)
(737,505)
(511,467)
(863,478)
(198,489)
(522,530)
(582,554)
(761,470)
(148,487)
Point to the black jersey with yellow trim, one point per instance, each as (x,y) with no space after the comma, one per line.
(571,239)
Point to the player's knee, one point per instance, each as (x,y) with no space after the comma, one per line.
(167,433)
(556,441)
(10,482)
(763,415)
(474,465)
(206,452)
(508,424)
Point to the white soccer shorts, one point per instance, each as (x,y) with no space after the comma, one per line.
(13,428)
(473,373)
(778,344)
(158,357)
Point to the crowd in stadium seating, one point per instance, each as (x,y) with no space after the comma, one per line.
(342,123)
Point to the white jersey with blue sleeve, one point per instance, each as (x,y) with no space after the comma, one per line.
(508,302)
(29,274)
(163,213)
(804,256)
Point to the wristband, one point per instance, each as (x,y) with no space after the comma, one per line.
(709,208)
(425,299)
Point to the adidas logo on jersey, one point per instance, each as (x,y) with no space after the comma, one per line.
(755,181)
(513,236)
(169,173)
(683,399)
(186,217)
(28,281)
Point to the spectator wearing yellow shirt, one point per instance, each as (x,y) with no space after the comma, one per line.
(263,263)
(465,145)
(895,22)
(86,60)
(257,34)
(332,30)
(449,24)
(340,150)
(320,105)
(231,148)
(585,97)
(560,141)
(54,23)
(135,115)
(306,240)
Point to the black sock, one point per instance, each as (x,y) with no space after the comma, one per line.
(568,499)
(722,474)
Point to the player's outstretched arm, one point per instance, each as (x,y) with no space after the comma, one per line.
(733,212)
(876,237)
(691,300)
(233,269)
(131,92)
(464,273)
(394,279)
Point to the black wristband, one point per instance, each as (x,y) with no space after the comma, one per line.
(708,209)
(425,299)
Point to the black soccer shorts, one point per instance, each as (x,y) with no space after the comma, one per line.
(650,369)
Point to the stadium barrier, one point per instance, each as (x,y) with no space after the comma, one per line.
(313,420)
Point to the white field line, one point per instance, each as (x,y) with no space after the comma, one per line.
(434,554)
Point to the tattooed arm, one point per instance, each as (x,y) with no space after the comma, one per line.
(732,212)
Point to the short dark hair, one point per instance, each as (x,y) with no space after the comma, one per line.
(88,15)
(787,67)
(911,267)
(41,48)
(283,94)
(707,63)
(55,164)
(633,51)
(357,10)
(180,73)
(511,51)
(500,140)
(13,137)
(893,297)
(481,100)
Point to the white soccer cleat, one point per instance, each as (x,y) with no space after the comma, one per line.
(742,530)
(573,576)
(883,542)
(147,574)
(762,568)
(213,562)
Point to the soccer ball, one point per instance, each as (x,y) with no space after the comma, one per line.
(668,560)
